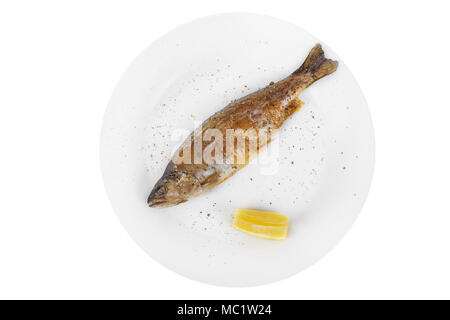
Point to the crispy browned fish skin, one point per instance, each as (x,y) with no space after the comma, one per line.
(265,109)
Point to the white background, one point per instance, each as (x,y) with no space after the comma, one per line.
(59,62)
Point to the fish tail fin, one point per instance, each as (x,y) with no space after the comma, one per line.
(317,64)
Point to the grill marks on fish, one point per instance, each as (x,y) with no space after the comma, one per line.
(263,111)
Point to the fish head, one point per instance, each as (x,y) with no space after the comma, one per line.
(173,189)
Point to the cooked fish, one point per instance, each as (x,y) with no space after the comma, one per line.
(202,162)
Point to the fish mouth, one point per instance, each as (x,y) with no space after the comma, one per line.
(157,197)
(154,202)
(159,203)
(167,192)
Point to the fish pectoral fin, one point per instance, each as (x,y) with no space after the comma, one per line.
(213,178)
(293,107)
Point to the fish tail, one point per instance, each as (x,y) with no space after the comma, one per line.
(316,64)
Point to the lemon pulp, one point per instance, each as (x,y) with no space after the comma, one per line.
(263,224)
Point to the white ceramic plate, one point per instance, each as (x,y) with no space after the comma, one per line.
(318,171)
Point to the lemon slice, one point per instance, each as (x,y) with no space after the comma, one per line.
(263,224)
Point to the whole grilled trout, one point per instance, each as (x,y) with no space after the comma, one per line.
(228,140)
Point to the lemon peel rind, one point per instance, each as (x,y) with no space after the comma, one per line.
(259,235)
